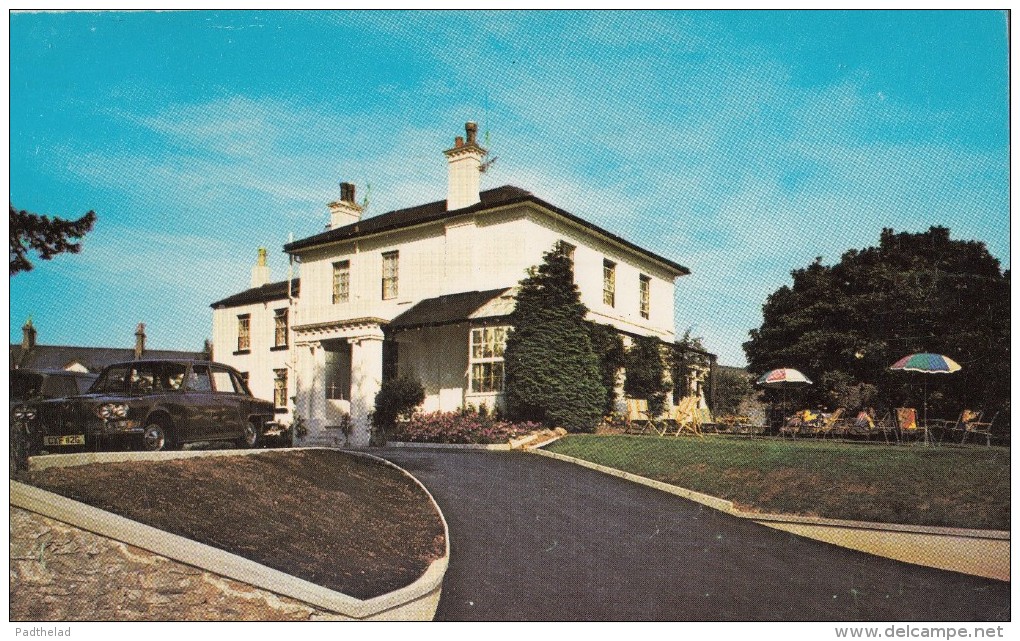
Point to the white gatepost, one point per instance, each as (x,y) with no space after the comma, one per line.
(366,379)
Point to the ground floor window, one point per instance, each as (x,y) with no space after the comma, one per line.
(486,358)
(280,387)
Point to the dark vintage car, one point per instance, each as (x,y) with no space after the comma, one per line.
(154,405)
(28,388)
(40,384)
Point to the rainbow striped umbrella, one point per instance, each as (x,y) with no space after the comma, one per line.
(927,364)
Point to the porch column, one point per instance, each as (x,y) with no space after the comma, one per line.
(317,395)
(303,384)
(366,379)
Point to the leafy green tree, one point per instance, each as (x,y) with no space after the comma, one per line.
(732,389)
(552,373)
(688,357)
(44,235)
(844,325)
(646,373)
(608,346)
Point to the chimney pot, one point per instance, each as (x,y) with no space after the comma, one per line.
(471,128)
(458,141)
(347,192)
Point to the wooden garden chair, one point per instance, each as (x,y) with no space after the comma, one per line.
(979,428)
(637,420)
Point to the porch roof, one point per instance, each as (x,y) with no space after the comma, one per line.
(455,308)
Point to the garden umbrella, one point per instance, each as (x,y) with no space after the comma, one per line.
(926,364)
(783,378)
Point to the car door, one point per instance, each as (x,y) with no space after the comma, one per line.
(201,403)
(228,403)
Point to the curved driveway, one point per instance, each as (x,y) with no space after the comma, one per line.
(538,539)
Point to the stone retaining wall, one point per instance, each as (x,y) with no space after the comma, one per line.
(62,573)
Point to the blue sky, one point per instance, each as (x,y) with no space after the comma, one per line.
(739,144)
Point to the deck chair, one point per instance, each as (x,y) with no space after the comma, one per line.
(792,425)
(685,417)
(637,420)
(827,425)
(979,428)
(884,427)
(707,420)
(906,421)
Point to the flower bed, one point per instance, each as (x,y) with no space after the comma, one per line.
(460,427)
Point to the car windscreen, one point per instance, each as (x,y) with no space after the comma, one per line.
(141,378)
(24,385)
(114,379)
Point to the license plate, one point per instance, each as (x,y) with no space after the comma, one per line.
(74,439)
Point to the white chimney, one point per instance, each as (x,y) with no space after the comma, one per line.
(344,211)
(465,175)
(260,272)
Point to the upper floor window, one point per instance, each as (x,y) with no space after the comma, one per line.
(280,321)
(389,274)
(609,283)
(646,295)
(341,281)
(244,332)
(487,346)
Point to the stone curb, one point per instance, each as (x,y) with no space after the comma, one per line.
(496,447)
(910,543)
(88,458)
(417,601)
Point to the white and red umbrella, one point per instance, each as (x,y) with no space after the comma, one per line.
(783,378)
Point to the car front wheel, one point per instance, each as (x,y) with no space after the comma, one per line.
(155,438)
(250,438)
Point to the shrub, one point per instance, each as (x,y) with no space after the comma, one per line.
(464,426)
(397,398)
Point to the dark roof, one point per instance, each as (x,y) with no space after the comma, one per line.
(435,211)
(444,310)
(92,358)
(263,294)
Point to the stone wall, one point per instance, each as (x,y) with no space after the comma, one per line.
(62,573)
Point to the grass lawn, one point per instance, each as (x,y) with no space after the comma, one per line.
(947,486)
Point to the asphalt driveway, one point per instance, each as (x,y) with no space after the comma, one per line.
(538,539)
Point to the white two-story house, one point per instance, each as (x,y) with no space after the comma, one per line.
(425,292)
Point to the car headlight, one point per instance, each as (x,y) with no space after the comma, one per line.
(112,410)
(23,413)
